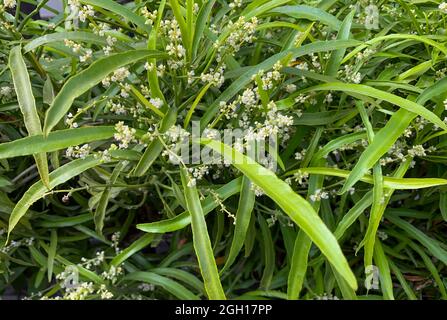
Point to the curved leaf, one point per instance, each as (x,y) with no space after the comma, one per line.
(27,104)
(88,78)
(201,240)
(298,209)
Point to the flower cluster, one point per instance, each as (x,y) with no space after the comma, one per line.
(443,7)
(78,151)
(240,32)
(318,195)
(215,77)
(150,16)
(175,49)
(124,135)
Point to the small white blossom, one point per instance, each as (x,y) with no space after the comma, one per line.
(124,135)
(318,195)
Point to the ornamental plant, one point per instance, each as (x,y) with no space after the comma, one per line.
(181,149)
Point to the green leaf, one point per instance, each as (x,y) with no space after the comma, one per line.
(309,13)
(48,91)
(243,216)
(88,78)
(202,18)
(184,219)
(269,254)
(169,285)
(100,212)
(121,10)
(80,36)
(38,190)
(443,204)
(27,104)
(362,89)
(298,266)
(386,283)
(136,246)
(388,182)
(431,244)
(303,244)
(184,276)
(56,140)
(51,253)
(337,56)
(298,209)
(202,243)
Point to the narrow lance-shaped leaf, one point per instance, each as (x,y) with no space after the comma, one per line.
(243,216)
(184,219)
(136,246)
(56,140)
(337,55)
(309,13)
(202,243)
(38,190)
(88,78)
(169,285)
(298,209)
(100,211)
(388,182)
(121,10)
(378,204)
(395,126)
(386,283)
(27,104)
(362,89)
(269,254)
(51,253)
(301,249)
(154,149)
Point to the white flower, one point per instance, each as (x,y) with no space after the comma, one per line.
(192,182)
(257,190)
(150,16)
(216,78)
(9,3)
(78,152)
(300,155)
(120,74)
(176,50)
(318,195)
(75,47)
(87,55)
(291,88)
(149,66)
(350,75)
(235,4)
(156,102)
(417,150)
(443,7)
(86,11)
(74,5)
(5,91)
(124,135)
(111,40)
(248,97)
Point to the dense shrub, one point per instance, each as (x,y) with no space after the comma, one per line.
(98,199)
